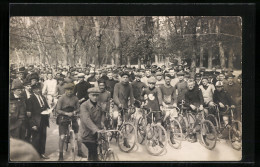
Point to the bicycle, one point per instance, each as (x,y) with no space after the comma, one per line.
(172,126)
(205,128)
(105,153)
(154,135)
(127,132)
(70,138)
(235,132)
(235,128)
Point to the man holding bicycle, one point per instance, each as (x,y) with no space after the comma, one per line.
(123,91)
(67,108)
(91,121)
(194,100)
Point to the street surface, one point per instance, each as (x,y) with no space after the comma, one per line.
(188,151)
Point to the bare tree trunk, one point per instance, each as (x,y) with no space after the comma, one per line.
(156,59)
(193,63)
(128,61)
(118,56)
(98,40)
(210,58)
(222,55)
(201,56)
(139,63)
(230,58)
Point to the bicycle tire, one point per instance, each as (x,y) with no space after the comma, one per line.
(140,127)
(123,128)
(153,140)
(214,121)
(184,125)
(110,156)
(235,135)
(176,129)
(205,127)
(73,145)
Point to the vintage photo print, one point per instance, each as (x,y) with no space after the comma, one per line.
(125,88)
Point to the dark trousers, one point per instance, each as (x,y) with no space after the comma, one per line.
(20,131)
(39,139)
(92,151)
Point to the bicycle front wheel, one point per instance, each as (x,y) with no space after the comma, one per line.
(127,137)
(140,130)
(235,135)
(156,139)
(208,134)
(174,133)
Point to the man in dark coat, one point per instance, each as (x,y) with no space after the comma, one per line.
(17,113)
(81,89)
(110,83)
(38,122)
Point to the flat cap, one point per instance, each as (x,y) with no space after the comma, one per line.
(69,86)
(94,90)
(81,75)
(219,84)
(180,73)
(124,73)
(151,80)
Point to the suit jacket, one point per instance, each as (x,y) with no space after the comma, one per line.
(37,119)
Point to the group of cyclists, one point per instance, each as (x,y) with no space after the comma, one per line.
(94,95)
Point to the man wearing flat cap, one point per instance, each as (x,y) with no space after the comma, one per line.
(38,121)
(17,113)
(160,81)
(181,87)
(91,120)
(234,90)
(68,108)
(81,89)
(19,78)
(122,92)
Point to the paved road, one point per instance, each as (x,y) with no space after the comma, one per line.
(188,152)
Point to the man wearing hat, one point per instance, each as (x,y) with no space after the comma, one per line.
(160,81)
(181,88)
(17,113)
(104,75)
(67,108)
(222,98)
(38,121)
(198,79)
(91,120)
(19,78)
(235,91)
(122,92)
(138,86)
(81,89)
(60,86)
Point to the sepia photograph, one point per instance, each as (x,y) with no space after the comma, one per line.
(125,88)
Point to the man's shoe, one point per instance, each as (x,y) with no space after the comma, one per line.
(61,157)
(172,139)
(44,156)
(81,154)
(204,138)
(126,144)
(193,139)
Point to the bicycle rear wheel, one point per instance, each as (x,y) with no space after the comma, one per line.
(174,133)
(214,121)
(73,145)
(235,135)
(156,139)
(127,137)
(140,130)
(208,134)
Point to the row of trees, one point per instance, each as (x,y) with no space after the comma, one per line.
(201,40)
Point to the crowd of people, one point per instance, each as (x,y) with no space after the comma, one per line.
(87,92)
